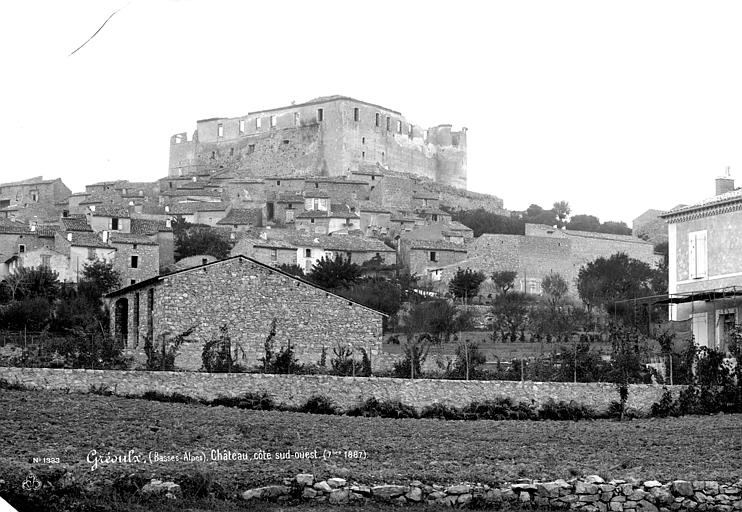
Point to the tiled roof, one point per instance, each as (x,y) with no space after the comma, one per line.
(271,243)
(74,224)
(341,243)
(197,206)
(457,226)
(148,226)
(732,196)
(315,193)
(82,239)
(398,217)
(290,198)
(106,210)
(368,206)
(13,228)
(38,180)
(436,245)
(240,216)
(46,231)
(432,211)
(313,214)
(131,238)
(183,192)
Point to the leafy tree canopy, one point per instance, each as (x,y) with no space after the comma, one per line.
(504,280)
(194,239)
(465,283)
(334,274)
(606,280)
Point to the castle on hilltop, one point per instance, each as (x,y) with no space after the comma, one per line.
(331,136)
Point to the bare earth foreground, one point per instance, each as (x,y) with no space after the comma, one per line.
(69,427)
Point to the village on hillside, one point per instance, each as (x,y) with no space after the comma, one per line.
(290,192)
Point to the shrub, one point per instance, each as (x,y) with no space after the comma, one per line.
(101,389)
(319,404)
(157,396)
(562,410)
(384,409)
(163,357)
(253,401)
(12,386)
(500,409)
(441,412)
(665,407)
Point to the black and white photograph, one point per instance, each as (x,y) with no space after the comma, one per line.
(415,255)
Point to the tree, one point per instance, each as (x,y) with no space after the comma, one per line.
(537,215)
(198,239)
(377,293)
(334,274)
(292,268)
(33,282)
(615,228)
(504,280)
(465,283)
(510,313)
(98,278)
(482,221)
(605,280)
(562,210)
(555,288)
(584,223)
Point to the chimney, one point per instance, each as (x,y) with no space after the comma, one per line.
(724,185)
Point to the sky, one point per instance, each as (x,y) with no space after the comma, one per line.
(615,107)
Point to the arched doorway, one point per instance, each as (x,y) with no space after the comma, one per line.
(121,325)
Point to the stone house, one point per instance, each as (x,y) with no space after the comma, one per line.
(109,218)
(199,212)
(374,219)
(246,296)
(309,250)
(137,256)
(50,258)
(426,257)
(400,222)
(161,232)
(34,190)
(425,200)
(433,215)
(242,219)
(265,250)
(323,222)
(286,207)
(705,264)
(80,247)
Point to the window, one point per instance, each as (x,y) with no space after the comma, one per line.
(297,119)
(251,149)
(258,122)
(399,126)
(307,253)
(134,246)
(134,262)
(231,151)
(697,257)
(278,183)
(114,223)
(363,140)
(286,142)
(409,130)
(274,254)
(21,248)
(220,130)
(425,134)
(388,123)
(204,261)
(273,121)
(35,196)
(433,256)
(311,221)
(242,126)
(133,281)
(356,114)
(46,260)
(213,155)
(91,253)
(320,114)
(378,119)
(434,217)
(316,185)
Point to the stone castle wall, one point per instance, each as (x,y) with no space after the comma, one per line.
(300,140)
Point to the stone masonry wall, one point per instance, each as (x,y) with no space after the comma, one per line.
(246,297)
(346,392)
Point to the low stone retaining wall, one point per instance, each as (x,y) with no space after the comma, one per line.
(346,392)
(589,494)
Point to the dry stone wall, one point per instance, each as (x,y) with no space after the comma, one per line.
(346,392)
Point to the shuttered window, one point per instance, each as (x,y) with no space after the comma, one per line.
(697,255)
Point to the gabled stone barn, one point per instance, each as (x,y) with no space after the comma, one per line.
(245,295)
